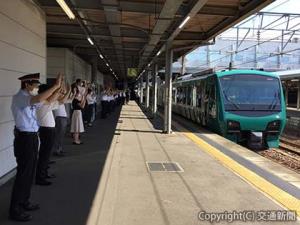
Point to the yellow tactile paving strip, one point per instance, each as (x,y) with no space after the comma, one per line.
(284,198)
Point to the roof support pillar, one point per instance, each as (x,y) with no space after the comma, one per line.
(147,89)
(298,96)
(168,90)
(154,89)
(141,90)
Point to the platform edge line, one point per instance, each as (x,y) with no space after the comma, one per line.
(277,194)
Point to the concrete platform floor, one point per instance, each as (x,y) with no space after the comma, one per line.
(68,200)
(129,194)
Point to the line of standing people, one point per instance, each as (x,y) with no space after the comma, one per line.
(110,98)
(40,125)
(34,138)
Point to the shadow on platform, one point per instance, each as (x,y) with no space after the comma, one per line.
(158,122)
(141,131)
(68,200)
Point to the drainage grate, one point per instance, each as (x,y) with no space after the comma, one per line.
(164,167)
(120,121)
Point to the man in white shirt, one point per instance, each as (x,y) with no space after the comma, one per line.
(104,104)
(24,106)
(91,100)
(46,122)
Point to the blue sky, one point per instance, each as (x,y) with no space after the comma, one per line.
(286,6)
(281,6)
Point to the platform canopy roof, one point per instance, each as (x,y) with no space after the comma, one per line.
(131,33)
(288,74)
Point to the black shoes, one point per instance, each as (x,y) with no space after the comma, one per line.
(51,162)
(50,176)
(20,216)
(30,206)
(59,154)
(43,182)
(18,213)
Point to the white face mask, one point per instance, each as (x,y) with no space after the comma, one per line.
(34,92)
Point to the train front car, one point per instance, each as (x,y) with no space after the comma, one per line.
(253,107)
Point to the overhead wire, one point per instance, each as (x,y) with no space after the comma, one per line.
(249,47)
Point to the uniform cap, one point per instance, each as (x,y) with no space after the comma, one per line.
(34,78)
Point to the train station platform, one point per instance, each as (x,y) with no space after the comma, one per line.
(293,112)
(139,185)
(68,200)
(128,172)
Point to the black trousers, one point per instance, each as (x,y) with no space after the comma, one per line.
(47,138)
(89,112)
(103,109)
(85,113)
(25,149)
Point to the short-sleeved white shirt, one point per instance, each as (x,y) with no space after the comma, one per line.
(60,111)
(45,116)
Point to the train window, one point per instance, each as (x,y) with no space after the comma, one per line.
(198,96)
(189,94)
(181,95)
(178,95)
(212,95)
(184,95)
(173,94)
(251,92)
(212,98)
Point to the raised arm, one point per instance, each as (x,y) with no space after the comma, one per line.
(83,101)
(46,94)
(66,96)
(55,96)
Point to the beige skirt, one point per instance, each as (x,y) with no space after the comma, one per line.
(76,122)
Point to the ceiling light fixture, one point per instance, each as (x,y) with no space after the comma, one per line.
(184,22)
(101,56)
(90,40)
(158,53)
(66,9)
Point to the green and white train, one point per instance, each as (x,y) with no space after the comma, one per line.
(245,106)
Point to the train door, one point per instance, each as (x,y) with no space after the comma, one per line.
(211,110)
(198,102)
(204,100)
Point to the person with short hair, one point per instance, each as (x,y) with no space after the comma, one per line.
(127,93)
(46,122)
(91,100)
(26,142)
(104,104)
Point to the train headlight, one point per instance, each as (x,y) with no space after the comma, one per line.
(274,126)
(233,126)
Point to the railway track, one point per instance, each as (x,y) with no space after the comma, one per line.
(289,145)
(288,153)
